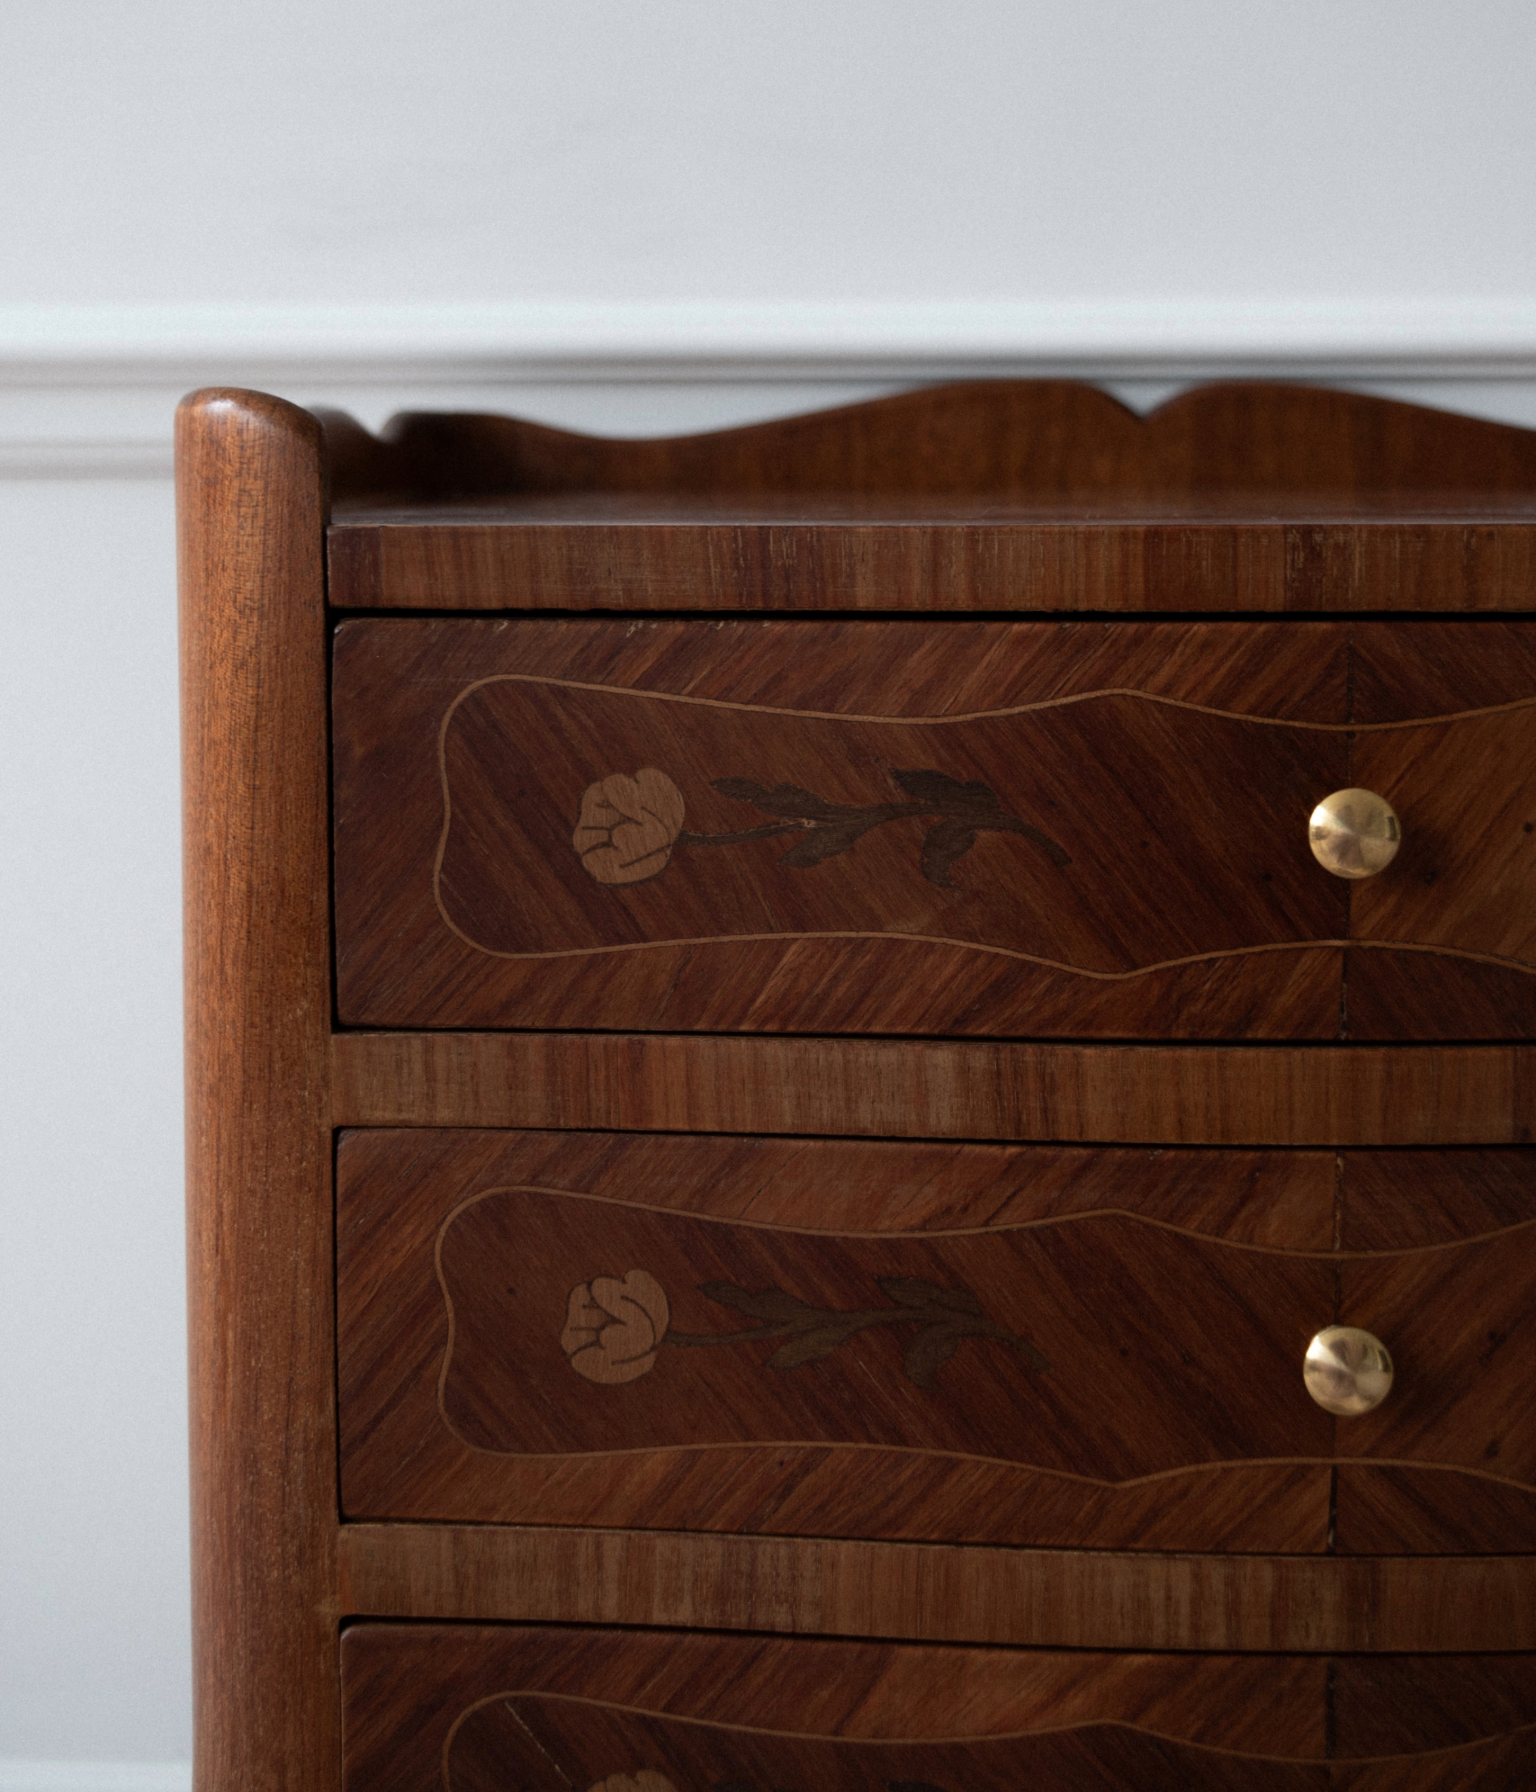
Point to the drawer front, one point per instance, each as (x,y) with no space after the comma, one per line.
(475,1708)
(1023,829)
(1070,1347)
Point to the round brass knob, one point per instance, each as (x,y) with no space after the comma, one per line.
(1347,1371)
(1354,833)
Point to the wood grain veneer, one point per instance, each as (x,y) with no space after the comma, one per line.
(1077,1599)
(250,507)
(1174,1095)
(1085,1398)
(918,828)
(979,502)
(992,496)
(968,1343)
(560,1709)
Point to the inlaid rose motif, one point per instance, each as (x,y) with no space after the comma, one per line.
(627,826)
(612,1326)
(643,1781)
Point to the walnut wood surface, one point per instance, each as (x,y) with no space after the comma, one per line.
(997,495)
(1030,439)
(467,1705)
(470,1706)
(1128,1309)
(465,1396)
(410,1690)
(1409,1200)
(1239,500)
(1461,1326)
(1219,1095)
(249,493)
(1096,829)
(1079,1599)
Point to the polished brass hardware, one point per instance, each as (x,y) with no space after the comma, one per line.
(1347,1371)
(1354,833)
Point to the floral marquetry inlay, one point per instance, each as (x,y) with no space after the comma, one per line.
(628,826)
(988,1343)
(999,830)
(613,1328)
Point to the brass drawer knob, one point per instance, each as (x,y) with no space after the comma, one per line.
(1347,1371)
(1354,833)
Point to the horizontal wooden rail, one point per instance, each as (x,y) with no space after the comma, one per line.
(1168,1095)
(939,1593)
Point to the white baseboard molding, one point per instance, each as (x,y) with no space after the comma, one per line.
(88,391)
(95,1776)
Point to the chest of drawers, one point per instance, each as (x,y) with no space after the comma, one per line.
(777,1091)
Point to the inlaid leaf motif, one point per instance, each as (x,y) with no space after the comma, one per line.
(810,1347)
(912,1292)
(819,844)
(771,1304)
(928,1352)
(784,799)
(942,792)
(945,843)
(946,1318)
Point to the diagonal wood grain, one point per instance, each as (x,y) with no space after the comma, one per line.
(462,1397)
(400,1458)
(1098,887)
(569,1707)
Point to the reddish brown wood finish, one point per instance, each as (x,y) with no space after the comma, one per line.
(559,1709)
(1240,501)
(1072,1599)
(1175,1095)
(1165,1349)
(1460,1326)
(994,496)
(258,1159)
(1170,1353)
(1053,850)
(1466,874)
(600,1702)
(1476,1306)
(1047,441)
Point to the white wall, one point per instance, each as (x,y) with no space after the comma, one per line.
(636,217)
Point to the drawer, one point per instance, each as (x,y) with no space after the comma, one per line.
(932,828)
(475,1708)
(968,1343)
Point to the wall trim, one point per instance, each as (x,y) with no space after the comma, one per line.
(87,391)
(1140,338)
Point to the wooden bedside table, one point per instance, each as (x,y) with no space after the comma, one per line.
(777,1094)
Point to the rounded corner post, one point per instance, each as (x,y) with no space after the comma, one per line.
(250,541)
